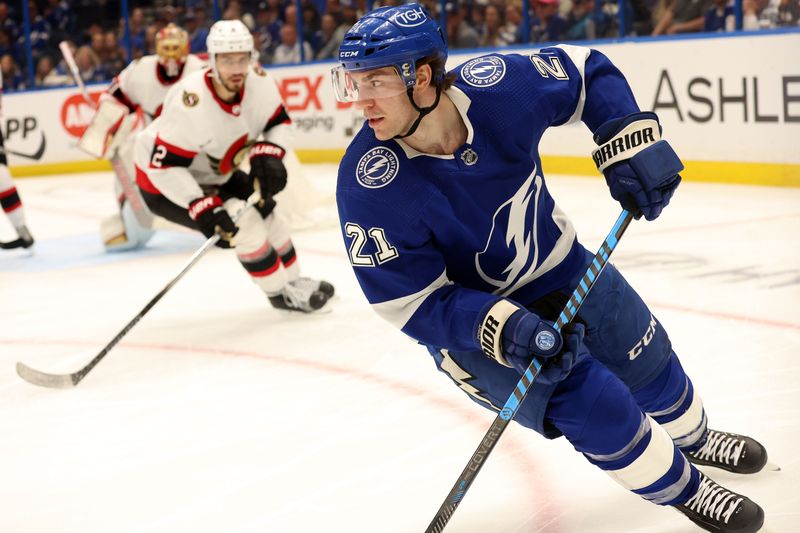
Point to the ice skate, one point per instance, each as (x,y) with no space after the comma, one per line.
(303,294)
(735,453)
(714,508)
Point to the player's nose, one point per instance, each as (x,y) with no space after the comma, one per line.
(364,104)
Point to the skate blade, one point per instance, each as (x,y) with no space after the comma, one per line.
(771,466)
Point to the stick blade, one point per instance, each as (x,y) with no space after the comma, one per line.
(43,379)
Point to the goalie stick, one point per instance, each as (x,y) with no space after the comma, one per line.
(66,381)
(142,214)
(511,406)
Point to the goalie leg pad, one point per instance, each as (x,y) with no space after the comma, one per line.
(122,232)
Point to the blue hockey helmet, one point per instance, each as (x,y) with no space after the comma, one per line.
(389,37)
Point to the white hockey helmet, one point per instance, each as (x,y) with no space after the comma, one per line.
(228,36)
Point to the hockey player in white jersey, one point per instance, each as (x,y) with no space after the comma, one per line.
(187,165)
(9,198)
(456,240)
(142,85)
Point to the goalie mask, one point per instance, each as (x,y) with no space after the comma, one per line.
(229,36)
(172,47)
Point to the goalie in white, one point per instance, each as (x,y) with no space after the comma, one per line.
(187,165)
(141,85)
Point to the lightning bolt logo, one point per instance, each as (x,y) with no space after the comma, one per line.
(462,378)
(513,232)
(377,168)
(484,71)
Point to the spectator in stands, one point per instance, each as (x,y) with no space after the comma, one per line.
(789,13)
(720,16)
(61,18)
(197,28)
(138,28)
(492,24)
(46,75)
(267,31)
(12,77)
(760,14)
(331,34)
(682,16)
(459,33)
(511,29)
(546,24)
(89,65)
(115,56)
(7,23)
(581,21)
(10,46)
(97,42)
(289,49)
(40,32)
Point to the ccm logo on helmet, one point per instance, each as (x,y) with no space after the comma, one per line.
(348,54)
(410,17)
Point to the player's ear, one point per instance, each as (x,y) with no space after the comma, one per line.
(424,77)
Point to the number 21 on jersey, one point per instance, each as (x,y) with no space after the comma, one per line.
(385,251)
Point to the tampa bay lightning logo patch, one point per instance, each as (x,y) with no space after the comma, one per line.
(484,71)
(377,168)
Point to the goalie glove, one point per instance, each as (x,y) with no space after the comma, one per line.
(641,170)
(111,125)
(267,169)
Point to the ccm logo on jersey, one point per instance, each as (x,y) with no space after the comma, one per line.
(627,143)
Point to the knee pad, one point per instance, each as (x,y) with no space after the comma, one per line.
(123,231)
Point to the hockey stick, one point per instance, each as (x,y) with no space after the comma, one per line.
(505,416)
(66,381)
(142,214)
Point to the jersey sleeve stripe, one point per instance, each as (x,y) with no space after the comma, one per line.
(578,55)
(280,116)
(176,150)
(144,182)
(400,310)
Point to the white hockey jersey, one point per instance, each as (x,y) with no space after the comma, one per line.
(198,139)
(143,84)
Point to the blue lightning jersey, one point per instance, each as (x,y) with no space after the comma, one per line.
(435,239)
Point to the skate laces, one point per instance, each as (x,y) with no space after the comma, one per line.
(714,501)
(721,447)
(305,284)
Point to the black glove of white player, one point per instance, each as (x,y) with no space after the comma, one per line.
(267,169)
(210,217)
(240,185)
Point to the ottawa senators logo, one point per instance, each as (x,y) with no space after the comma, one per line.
(190,99)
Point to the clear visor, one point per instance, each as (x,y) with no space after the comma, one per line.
(352,86)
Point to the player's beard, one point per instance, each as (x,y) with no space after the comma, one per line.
(234,87)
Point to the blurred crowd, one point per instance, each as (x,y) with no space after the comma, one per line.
(95,29)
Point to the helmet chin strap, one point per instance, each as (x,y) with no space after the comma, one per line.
(421,110)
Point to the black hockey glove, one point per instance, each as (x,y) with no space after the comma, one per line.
(240,185)
(211,218)
(513,336)
(266,168)
(641,169)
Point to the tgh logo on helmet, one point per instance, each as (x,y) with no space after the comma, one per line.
(410,17)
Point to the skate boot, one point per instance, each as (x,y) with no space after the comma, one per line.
(714,508)
(320,285)
(25,240)
(731,452)
(303,294)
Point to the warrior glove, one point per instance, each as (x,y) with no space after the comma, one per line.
(513,337)
(211,218)
(267,169)
(641,169)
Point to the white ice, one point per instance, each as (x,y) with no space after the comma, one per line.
(218,413)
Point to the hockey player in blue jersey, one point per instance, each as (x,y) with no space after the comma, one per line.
(455,239)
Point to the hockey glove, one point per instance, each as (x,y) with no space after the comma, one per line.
(641,169)
(240,185)
(211,218)
(513,336)
(266,168)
